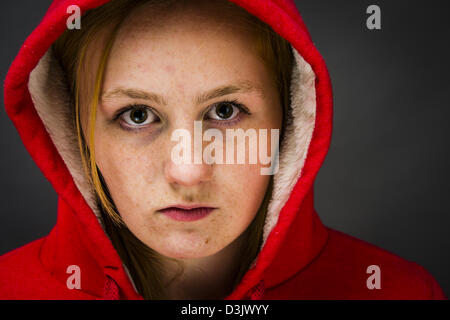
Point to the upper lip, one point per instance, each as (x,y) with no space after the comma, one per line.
(187,206)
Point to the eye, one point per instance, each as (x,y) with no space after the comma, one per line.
(226,110)
(138,116)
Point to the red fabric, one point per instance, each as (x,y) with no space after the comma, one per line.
(302,259)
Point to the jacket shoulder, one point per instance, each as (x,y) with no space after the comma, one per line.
(22,276)
(350,268)
(19,260)
(18,267)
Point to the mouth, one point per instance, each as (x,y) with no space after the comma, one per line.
(187,213)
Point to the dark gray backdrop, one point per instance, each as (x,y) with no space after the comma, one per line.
(385,179)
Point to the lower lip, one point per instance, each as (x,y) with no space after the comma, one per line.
(187,215)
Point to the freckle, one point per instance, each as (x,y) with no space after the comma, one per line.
(207,240)
(170,69)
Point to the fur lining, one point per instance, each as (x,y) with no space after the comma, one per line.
(297,139)
(50,95)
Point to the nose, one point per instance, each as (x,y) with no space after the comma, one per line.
(187,174)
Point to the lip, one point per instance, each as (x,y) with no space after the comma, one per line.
(187,212)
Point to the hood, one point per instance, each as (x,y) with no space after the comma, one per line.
(37,101)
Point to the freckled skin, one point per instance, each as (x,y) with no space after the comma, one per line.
(170,69)
(179,56)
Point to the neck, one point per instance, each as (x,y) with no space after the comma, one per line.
(210,277)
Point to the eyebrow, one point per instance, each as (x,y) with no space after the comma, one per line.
(241,87)
(134,94)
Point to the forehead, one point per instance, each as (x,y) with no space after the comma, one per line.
(185,28)
(195,44)
(197,14)
(179,52)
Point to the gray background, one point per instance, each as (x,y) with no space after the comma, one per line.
(386,177)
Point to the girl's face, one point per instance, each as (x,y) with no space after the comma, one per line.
(166,71)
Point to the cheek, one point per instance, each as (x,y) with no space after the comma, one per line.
(129,172)
(243,189)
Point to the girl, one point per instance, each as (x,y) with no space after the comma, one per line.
(101,114)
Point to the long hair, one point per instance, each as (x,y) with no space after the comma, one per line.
(144,263)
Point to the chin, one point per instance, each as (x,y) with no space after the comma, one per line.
(184,253)
(188,247)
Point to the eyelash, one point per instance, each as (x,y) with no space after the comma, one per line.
(242,111)
(126,127)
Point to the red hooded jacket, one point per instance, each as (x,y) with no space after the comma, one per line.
(300,258)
